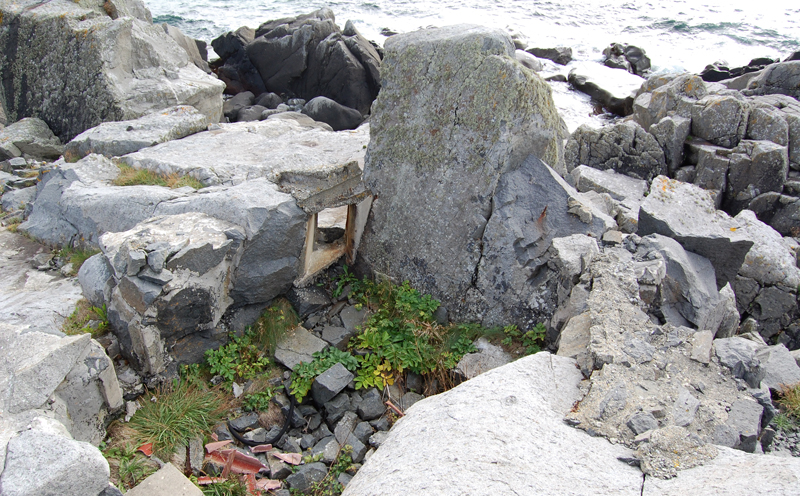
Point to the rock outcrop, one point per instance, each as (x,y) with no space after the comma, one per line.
(75,66)
(432,135)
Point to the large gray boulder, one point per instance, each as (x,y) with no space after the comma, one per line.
(432,135)
(515,412)
(45,460)
(687,213)
(720,119)
(339,117)
(671,133)
(614,90)
(173,280)
(29,137)
(780,369)
(782,78)
(120,67)
(625,148)
(663,95)
(114,139)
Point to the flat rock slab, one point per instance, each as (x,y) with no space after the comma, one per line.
(500,433)
(732,473)
(297,346)
(169,481)
(687,213)
(114,139)
(247,150)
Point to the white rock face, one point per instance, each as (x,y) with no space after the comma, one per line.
(500,433)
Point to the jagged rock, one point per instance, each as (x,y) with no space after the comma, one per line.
(720,119)
(308,300)
(307,475)
(114,139)
(625,148)
(190,46)
(642,422)
(780,368)
(328,448)
(745,421)
(684,408)
(371,405)
(120,67)
(781,212)
(486,358)
(687,214)
(442,129)
(456,435)
(235,153)
(711,171)
(755,167)
(559,55)
(232,106)
(689,292)
(30,137)
(18,199)
(532,206)
(768,123)
(664,95)
(297,346)
(671,133)
(627,57)
(782,78)
(330,383)
(183,313)
(739,355)
(44,459)
(337,336)
(338,116)
(613,89)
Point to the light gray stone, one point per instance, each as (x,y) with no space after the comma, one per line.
(120,67)
(663,95)
(756,167)
(687,214)
(780,368)
(684,408)
(189,45)
(528,60)
(168,481)
(454,441)
(769,124)
(114,139)
(95,277)
(701,346)
(745,420)
(619,186)
(18,199)
(486,358)
(671,448)
(328,448)
(235,152)
(739,355)
(782,78)
(732,473)
(297,346)
(613,89)
(625,147)
(430,121)
(29,137)
(45,460)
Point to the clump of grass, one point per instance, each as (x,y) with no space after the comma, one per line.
(176,414)
(790,400)
(234,486)
(13,224)
(273,323)
(77,323)
(128,467)
(128,176)
(76,256)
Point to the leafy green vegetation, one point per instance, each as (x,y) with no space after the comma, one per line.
(174,415)
(273,323)
(530,342)
(784,422)
(241,359)
(128,176)
(305,373)
(330,486)
(258,402)
(234,486)
(85,313)
(128,467)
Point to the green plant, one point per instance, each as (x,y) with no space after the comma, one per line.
(76,256)
(529,342)
(273,323)
(130,466)
(790,400)
(174,415)
(329,485)
(240,359)
(234,486)
(128,176)
(84,313)
(784,422)
(347,278)
(305,373)
(258,402)
(13,224)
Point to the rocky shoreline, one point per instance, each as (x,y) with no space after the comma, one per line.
(659,252)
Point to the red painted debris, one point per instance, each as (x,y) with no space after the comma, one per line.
(205,480)
(291,458)
(241,464)
(211,447)
(267,484)
(261,448)
(147,449)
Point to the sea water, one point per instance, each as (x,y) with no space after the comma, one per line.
(677,35)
